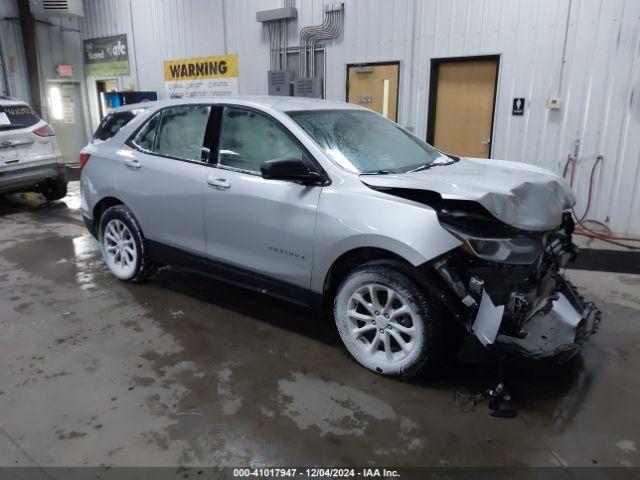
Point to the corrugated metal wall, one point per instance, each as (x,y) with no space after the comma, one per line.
(11,40)
(600,87)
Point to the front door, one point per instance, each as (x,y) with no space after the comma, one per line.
(161,177)
(263,226)
(374,86)
(461,108)
(66,115)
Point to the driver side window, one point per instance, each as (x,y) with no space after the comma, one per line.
(248,138)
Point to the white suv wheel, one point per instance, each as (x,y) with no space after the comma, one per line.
(119,249)
(385,321)
(381,323)
(123,245)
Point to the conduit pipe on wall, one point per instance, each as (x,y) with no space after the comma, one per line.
(310,36)
(278,40)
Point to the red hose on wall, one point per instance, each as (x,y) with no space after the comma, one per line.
(606,235)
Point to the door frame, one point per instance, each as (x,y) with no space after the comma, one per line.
(433,92)
(98,80)
(83,99)
(374,64)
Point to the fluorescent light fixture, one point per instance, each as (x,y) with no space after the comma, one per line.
(55,99)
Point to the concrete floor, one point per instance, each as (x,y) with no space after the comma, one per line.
(185,370)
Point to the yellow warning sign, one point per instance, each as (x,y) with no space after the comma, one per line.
(219,66)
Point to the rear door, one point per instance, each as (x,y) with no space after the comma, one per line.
(19,145)
(161,174)
(262,226)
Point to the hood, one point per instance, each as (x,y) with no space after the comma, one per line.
(521,195)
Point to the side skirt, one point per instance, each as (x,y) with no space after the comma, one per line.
(167,255)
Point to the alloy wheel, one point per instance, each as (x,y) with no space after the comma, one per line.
(382,323)
(119,249)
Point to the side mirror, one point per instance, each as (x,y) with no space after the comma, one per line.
(291,169)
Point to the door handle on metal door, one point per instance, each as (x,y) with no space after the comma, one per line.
(218,182)
(133,163)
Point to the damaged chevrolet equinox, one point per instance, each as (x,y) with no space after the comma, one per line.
(332,206)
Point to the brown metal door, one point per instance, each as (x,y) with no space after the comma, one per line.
(374,87)
(465,93)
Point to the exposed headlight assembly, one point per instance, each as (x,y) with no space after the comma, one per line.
(517,250)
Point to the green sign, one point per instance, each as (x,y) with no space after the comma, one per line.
(107,56)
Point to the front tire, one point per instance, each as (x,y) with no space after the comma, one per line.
(386,321)
(123,245)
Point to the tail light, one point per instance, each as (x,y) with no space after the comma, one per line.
(84,158)
(45,131)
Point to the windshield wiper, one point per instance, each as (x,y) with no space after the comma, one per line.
(11,126)
(377,172)
(427,166)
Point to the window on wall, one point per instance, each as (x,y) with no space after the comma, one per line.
(248,138)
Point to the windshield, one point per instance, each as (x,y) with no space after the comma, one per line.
(365,142)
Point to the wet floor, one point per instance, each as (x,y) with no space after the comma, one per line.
(186,370)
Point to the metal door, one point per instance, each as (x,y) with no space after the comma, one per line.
(66,116)
(462,106)
(374,86)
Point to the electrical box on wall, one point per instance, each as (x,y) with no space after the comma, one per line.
(285,13)
(554,104)
(279,82)
(57,8)
(308,87)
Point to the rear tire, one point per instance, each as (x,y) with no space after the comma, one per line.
(54,189)
(123,246)
(386,321)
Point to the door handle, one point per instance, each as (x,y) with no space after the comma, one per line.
(133,163)
(486,142)
(218,182)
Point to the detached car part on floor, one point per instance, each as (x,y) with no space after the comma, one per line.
(330,205)
(30,158)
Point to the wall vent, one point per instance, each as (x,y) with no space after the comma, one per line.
(57,8)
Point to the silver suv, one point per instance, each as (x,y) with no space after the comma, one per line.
(332,206)
(30,158)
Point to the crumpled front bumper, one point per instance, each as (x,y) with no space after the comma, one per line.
(558,324)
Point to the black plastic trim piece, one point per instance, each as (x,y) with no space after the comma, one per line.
(168,255)
(600,260)
(90,226)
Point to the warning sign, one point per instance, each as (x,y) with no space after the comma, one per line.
(202,76)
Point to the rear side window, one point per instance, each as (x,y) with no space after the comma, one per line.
(111,124)
(145,138)
(17,116)
(181,132)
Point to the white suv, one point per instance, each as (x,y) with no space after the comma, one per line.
(30,158)
(330,205)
